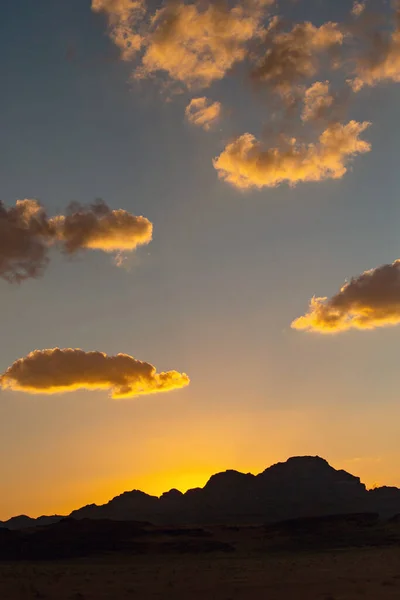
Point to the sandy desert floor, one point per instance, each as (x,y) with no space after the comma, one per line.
(373,574)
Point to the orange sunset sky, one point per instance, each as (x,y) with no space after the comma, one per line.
(199,243)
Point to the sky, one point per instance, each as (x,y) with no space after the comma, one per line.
(227,362)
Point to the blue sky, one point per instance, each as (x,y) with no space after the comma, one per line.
(213,295)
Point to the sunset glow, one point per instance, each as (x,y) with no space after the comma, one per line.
(199,242)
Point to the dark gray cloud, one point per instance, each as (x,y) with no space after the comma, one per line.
(27,234)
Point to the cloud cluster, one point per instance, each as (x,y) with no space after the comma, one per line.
(365,302)
(27,234)
(194,43)
(123,18)
(203,112)
(293,56)
(56,370)
(246,164)
(198,43)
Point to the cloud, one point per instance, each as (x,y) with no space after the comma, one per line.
(365,302)
(25,236)
(317,101)
(97,227)
(123,18)
(56,370)
(358,8)
(382,62)
(246,164)
(196,44)
(294,55)
(203,112)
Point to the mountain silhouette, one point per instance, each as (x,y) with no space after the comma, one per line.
(304,486)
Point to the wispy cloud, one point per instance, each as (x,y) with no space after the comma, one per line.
(203,112)
(123,19)
(56,370)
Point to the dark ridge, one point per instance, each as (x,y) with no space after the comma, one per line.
(301,487)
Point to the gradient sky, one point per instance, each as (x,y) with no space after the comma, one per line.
(214,293)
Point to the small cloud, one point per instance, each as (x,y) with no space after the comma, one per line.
(56,371)
(358,8)
(368,301)
(317,101)
(203,112)
(246,164)
(127,260)
(97,227)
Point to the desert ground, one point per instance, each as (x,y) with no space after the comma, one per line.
(345,574)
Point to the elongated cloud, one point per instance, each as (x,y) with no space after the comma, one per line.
(246,164)
(56,370)
(197,43)
(293,56)
(317,101)
(203,112)
(365,302)
(27,234)
(97,227)
(123,18)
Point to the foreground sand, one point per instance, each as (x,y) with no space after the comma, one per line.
(373,574)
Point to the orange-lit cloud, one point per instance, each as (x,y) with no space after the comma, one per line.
(123,17)
(25,236)
(317,101)
(246,164)
(56,370)
(382,63)
(197,43)
(203,112)
(194,43)
(97,227)
(293,56)
(365,302)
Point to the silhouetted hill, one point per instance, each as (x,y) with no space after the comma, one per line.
(301,487)
(23,522)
